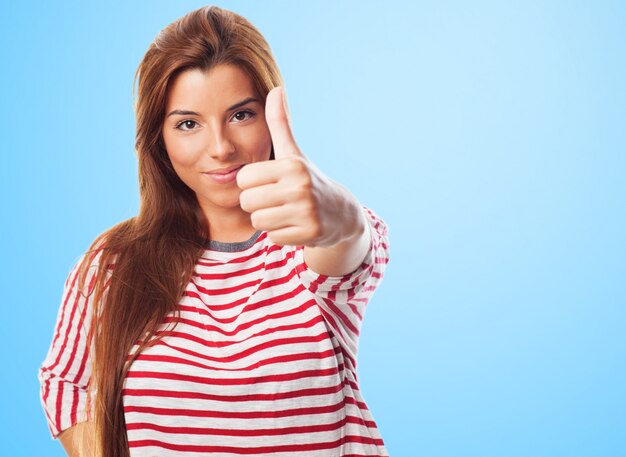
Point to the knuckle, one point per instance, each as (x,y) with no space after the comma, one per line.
(255,220)
(311,209)
(302,192)
(315,227)
(307,180)
(295,164)
(243,200)
(240,179)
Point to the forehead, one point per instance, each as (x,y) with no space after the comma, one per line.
(209,90)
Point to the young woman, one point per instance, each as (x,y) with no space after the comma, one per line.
(224,318)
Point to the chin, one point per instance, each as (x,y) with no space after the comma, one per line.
(230,200)
(226,202)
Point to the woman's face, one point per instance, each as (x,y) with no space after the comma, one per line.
(214,120)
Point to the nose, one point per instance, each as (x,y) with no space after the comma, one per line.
(221,147)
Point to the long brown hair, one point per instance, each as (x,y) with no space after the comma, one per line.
(146,262)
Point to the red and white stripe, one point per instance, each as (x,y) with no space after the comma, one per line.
(262,362)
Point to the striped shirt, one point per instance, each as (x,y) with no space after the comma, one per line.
(263,361)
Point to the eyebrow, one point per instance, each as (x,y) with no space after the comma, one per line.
(235,106)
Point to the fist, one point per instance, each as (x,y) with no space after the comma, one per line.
(289,197)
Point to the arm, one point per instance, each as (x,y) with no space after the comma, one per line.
(78,440)
(66,371)
(343,299)
(346,256)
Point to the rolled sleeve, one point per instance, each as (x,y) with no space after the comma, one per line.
(343,299)
(65,373)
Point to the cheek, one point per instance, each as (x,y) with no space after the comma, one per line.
(259,142)
(183,152)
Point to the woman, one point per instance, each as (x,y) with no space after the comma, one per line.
(224,318)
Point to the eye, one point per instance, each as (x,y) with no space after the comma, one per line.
(187,123)
(241,115)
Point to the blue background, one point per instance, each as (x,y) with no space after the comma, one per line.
(490,136)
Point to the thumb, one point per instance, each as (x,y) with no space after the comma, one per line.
(277,120)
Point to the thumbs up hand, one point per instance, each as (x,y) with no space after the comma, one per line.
(289,197)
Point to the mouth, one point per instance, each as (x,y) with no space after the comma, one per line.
(227,176)
(224,171)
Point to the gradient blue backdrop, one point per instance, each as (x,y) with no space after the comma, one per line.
(491,136)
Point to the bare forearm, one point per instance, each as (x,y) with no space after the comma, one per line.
(345,256)
(78,440)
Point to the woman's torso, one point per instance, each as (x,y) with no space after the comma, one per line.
(251,368)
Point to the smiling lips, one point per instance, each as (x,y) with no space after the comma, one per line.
(224,175)
(224,171)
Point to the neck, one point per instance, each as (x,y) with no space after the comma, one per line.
(229,225)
